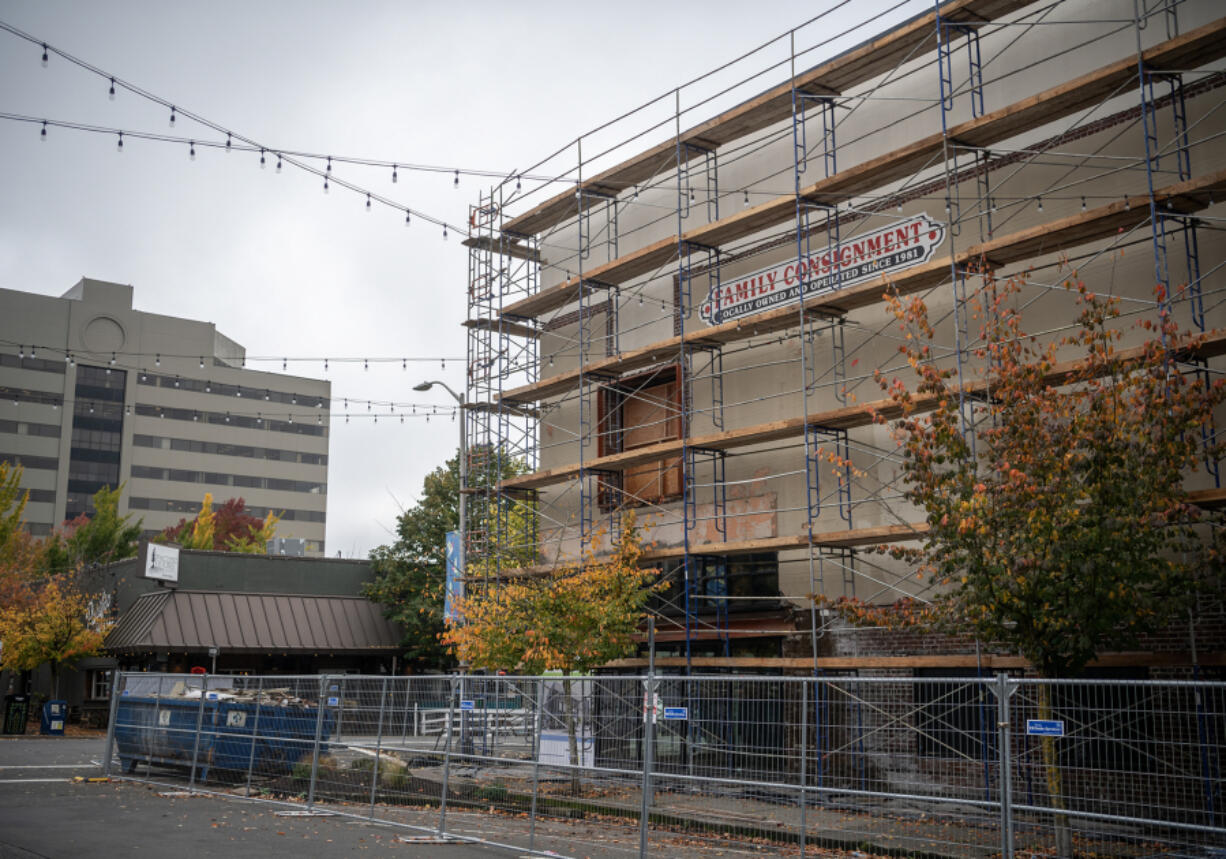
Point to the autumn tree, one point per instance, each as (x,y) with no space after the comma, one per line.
(20,554)
(410,574)
(58,624)
(572,620)
(1060,527)
(230,528)
(88,540)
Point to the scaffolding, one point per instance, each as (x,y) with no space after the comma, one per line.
(679,329)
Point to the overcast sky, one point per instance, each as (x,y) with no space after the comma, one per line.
(278,265)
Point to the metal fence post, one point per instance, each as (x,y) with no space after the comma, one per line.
(1004,725)
(255,731)
(442,805)
(536,761)
(649,726)
(319,730)
(374,777)
(110,723)
(804,762)
(204,691)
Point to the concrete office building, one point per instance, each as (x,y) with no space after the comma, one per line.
(97,393)
(692,326)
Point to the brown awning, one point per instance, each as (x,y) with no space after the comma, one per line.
(251,623)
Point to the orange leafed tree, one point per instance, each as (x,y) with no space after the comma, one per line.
(1061,527)
(55,622)
(572,620)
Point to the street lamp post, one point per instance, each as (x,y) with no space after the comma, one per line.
(463,529)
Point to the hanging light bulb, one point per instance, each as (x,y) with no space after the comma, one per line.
(443,363)
(1127,205)
(227,417)
(402,418)
(32,355)
(278,162)
(365,363)
(195,416)
(67,357)
(172,115)
(201,362)
(406,217)
(191,149)
(91,407)
(43,135)
(259,418)
(444,232)
(293,399)
(404,363)
(947,205)
(319,419)
(227,141)
(208,387)
(325,184)
(143,377)
(119,146)
(368,201)
(21,353)
(238,392)
(746,202)
(127,410)
(1083,204)
(111,94)
(284,363)
(267,393)
(45,57)
(640,299)
(1040,202)
(176,381)
(376,419)
(329,169)
(394,179)
(900,207)
(691,195)
(291,418)
(157,359)
(636,193)
(325,365)
(456,184)
(262,161)
(518,187)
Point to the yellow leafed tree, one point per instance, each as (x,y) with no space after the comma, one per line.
(57,623)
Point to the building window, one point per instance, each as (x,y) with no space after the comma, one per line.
(721,586)
(635,413)
(98,685)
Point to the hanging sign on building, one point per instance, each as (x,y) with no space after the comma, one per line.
(162,562)
(856,260)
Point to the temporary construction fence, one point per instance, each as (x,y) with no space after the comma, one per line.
(667,765)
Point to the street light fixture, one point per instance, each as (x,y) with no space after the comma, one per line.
(459,398)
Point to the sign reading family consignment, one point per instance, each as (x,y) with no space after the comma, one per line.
(856,260)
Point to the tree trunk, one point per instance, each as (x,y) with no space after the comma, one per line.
(1055,779)
(570,734)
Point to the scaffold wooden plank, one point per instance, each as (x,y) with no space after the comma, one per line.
(911,40)
(846,417)
(1061,234)
(1189,50)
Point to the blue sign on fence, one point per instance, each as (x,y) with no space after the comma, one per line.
(676,712)
(333,701)
(1045,727)
(468,705)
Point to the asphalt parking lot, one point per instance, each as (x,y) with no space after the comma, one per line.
(44,813)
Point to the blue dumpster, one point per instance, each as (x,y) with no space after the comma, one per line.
(233,734)
(55,714)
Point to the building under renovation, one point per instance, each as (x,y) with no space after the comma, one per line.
(682,311)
